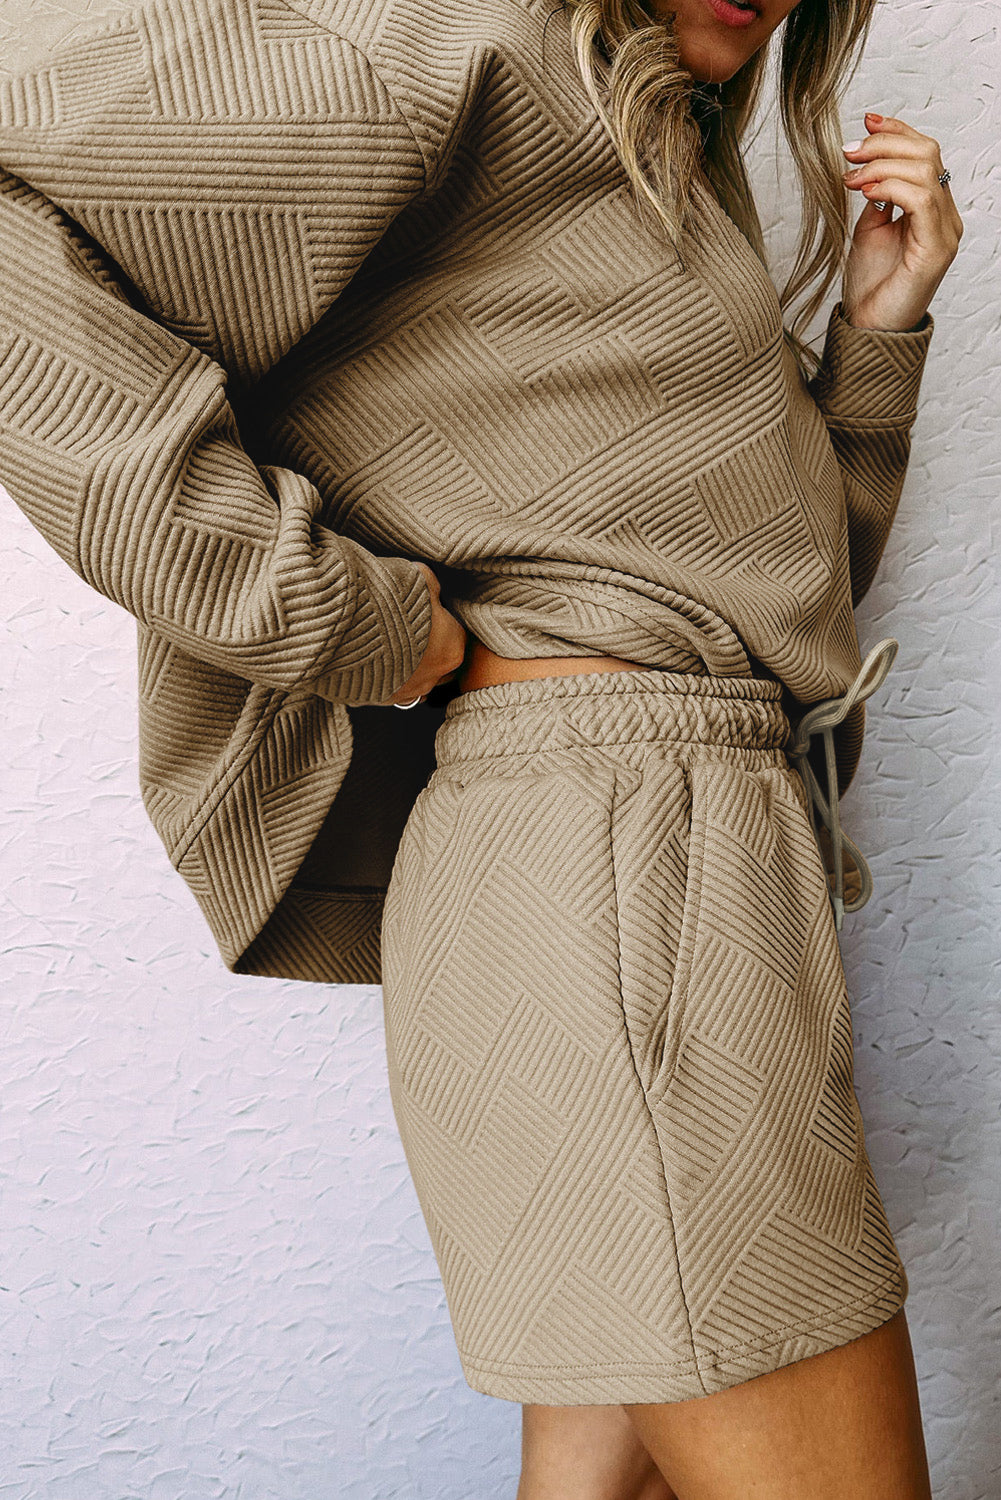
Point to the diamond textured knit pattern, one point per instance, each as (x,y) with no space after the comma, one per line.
(620,1044)
(296,293)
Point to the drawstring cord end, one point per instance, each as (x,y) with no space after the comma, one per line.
(823,718)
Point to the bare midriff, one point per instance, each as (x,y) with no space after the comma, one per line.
(483,667)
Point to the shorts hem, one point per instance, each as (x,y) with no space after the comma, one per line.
(682,1380)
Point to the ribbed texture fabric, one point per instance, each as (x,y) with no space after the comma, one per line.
(620,1045)
(295,294)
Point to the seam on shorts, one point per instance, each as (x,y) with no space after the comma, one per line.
(616,803)
(696,861)
(719,1356)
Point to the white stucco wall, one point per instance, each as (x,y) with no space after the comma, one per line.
(215,1278)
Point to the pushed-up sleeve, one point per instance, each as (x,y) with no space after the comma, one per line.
(867,391)
(119,443)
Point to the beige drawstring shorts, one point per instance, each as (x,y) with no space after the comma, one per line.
(620,1046)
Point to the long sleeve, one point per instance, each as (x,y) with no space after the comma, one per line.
(117,438)
(867,390)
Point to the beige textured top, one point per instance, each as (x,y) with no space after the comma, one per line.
(294,292)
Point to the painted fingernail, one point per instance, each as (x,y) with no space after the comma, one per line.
(852,146)
(871,115)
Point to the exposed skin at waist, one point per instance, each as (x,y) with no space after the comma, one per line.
(483,668)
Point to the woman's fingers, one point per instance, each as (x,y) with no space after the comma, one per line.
(444,652)
(897,164)
(915,198)
(911,147)
(895,265)
(891,126)
(910,169)
(914,188)
(889,137)
(900,147)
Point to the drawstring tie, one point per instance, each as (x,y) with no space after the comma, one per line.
(823,718)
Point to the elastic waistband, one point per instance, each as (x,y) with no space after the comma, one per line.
(602,708)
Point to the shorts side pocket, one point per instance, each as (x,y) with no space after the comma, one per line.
(657,835)
(670,1031)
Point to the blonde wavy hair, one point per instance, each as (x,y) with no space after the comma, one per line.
(670,129)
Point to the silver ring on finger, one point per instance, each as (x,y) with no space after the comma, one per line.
(412,704)
(944,177)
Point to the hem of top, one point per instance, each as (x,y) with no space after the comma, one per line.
(601,1374)
(646,679)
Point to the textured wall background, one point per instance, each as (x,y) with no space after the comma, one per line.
(214,1277)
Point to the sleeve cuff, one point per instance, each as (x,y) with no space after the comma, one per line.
(870,374)
(387,636)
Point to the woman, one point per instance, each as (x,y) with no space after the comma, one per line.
(842,1420)
(524,411)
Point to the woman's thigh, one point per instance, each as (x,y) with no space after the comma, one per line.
(843,1422)
(585,1453)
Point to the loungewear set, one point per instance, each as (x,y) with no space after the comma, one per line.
(295,294)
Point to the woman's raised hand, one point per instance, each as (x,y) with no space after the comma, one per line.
(895,265)
(444,652)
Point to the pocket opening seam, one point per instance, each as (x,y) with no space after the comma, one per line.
(688,934)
